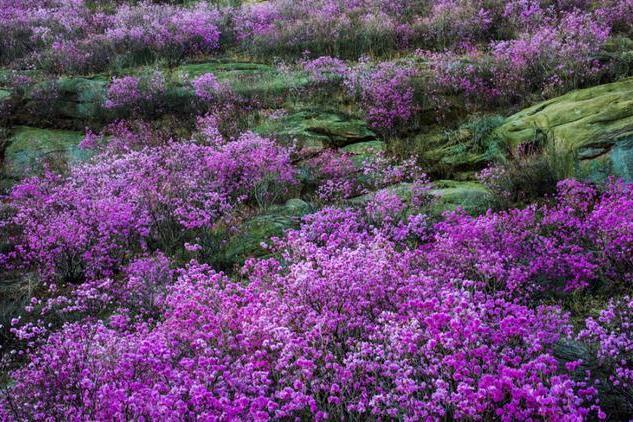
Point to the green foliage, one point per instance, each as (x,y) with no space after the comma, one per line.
(450,153)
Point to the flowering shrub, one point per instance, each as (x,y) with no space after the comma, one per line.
(325,27)
(610,336)
(207,87)
(152,95)
(208,130)
(325,69)
(256,19)
(344,323)
(548,59)
(123,136)
(380,171)
(386,92)
(618,13)
(123,92)
(136,95)
(367,310)
(86,224)
(73,35)
(554,59)
(453,21)
(170,31)
(334,175)
(518,252)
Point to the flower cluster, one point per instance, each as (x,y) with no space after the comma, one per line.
(344,320)
(385,92)
(132,94)
(521,252)
(325,69)
(74,35)
(88,223)
(207,87)
(545,59)
(371,305)
(611,335)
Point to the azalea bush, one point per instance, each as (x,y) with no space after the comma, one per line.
(73,36)
(366,312)
(86,224)
(154,94)
(546,61)
(609,336)
(189,267)
(385,91)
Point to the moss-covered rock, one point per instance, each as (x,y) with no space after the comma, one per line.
(29,149)
(318,127)
(248,79)
(363,151)
(596,124)
(448,195)
(472,197)
(259,229)
(68,102)
(82,97)
(449,152)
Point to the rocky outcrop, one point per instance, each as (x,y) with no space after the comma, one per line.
(255,232)
(448,195)
(319,127)
(28,149)
(249,79)
(596,124)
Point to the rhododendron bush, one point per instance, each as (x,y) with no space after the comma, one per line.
(356,313)
(279,211)
(75,35)
(88,223)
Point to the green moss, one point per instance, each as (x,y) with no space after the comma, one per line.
(364,148)
(448,195)
(363,151)
(473,197)
(454,153)
(248,79)
(591,123)
(248,242)
(313,126)
(83,96)
(29,148)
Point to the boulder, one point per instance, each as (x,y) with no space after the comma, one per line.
(594,124)
(248,242)
(68,102)
(448,195)
(330,129)
(249,79)
(364,151)
(29,149)
(82,97)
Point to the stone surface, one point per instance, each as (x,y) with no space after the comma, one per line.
(83,97)
(247,78)
(595,123)
(473,197)
(68,102)
(331,129)
(28,149)
(448,195)
(259,229)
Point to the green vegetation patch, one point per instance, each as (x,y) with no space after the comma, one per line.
(312,126)
(28,149)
